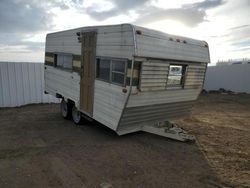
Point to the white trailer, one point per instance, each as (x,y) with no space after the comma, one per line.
(124,76)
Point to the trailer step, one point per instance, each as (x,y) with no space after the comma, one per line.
(169,130)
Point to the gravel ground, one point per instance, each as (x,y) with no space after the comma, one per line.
(38,148)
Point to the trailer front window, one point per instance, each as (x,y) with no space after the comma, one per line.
(176,75)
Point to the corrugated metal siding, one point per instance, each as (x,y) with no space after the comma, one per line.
(166,103)
(22,83)
(156,44)
(109,101)
(154,75)
(136,117)
(195,76)
(62,82)
(161,97)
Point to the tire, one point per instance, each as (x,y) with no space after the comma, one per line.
(76,116)
(66,109)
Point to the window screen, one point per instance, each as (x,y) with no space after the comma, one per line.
(176,75)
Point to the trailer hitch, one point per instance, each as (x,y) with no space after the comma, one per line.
(169,130)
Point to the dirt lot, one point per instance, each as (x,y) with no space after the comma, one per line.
(221,124)
(40,149)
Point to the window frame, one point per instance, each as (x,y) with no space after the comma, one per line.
(183,77)
(111,71)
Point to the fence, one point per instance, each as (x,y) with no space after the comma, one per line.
(22,83)
(234,77)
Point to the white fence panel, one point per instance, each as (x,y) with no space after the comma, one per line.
(234,77)
(22,83)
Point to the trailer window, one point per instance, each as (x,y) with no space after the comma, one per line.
(64,61)
(176,75)
(111,70)
(118,71)
(103,69)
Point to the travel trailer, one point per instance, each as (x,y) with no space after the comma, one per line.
(126,77)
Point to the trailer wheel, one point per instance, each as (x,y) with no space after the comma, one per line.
(66,109)
(76,116)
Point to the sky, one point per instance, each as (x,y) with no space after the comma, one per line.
(224,24)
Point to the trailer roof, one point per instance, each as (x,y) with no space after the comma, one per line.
(151,43)
(158,34)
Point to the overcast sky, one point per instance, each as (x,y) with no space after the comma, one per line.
(224,24)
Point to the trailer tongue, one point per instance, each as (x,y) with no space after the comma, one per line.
(169,130)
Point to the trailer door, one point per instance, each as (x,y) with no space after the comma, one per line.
(87,71)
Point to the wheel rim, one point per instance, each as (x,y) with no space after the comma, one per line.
(64,108)
(76,115)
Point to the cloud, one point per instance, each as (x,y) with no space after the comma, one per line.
(190,17)
(204,5)
(236,36)
(24,21)
(235,40)
(240,27)
(23,46)
(101,15)
(189,14)
(129,4)
(242,49)
(239,36)
(23,16)
(120,7)
(18,42)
